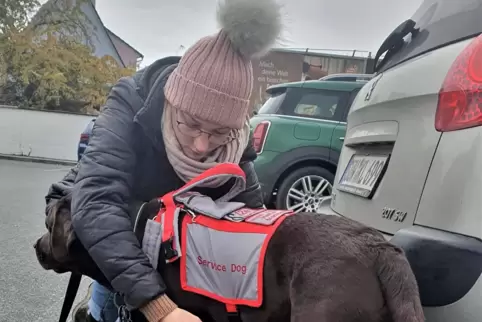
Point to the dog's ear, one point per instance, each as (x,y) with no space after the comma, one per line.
(60,229)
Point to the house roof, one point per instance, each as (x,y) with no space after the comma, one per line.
(120,39)
(109,33)
(108,36)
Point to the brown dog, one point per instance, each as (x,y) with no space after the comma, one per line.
(317,268)
(60,250)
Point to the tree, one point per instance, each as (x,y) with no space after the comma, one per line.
(14,14)
(47,61)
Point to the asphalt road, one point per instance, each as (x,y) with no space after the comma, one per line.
(28,293)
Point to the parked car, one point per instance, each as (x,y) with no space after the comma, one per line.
(411,161)
(348,77)
(298,134)
(84,139)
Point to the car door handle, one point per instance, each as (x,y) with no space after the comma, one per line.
(342,138)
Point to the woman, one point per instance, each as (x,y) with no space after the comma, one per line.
(158,129)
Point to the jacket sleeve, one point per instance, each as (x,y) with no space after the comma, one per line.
(253,195)
(100,199)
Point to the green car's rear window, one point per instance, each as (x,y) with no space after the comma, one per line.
(272,105)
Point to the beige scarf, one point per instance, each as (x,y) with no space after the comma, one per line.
(187,168)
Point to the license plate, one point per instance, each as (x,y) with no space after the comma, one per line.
(363,174)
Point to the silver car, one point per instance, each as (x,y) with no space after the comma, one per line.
(411,164)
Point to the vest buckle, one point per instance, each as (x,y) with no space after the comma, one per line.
(169,251)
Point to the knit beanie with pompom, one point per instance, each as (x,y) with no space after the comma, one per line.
(214,78)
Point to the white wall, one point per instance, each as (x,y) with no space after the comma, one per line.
(42,134)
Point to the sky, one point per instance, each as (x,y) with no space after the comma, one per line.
(158,28)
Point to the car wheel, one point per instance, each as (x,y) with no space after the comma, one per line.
(304,189)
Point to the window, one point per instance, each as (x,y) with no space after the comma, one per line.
(318,104)
(343,79)
(353,95)
(438,23)
(272,105)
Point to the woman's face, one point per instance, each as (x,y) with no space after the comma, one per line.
(198,138)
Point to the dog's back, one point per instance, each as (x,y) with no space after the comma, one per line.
(333,269)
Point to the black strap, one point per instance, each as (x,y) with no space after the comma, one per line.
(234,317)
(72,288)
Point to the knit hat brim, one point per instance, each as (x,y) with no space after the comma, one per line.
(233,116)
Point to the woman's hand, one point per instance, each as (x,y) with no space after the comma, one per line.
(179,315)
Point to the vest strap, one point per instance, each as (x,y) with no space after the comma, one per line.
(233,313)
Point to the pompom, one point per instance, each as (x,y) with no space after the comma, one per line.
(252,26)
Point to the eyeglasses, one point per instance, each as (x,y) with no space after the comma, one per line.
(216,138)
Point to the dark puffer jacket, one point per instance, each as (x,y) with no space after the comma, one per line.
(126,163)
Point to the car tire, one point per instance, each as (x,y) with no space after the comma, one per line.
(310,200)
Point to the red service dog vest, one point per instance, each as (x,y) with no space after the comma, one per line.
(222,244)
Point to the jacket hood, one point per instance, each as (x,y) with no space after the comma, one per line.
(146,77)
(149,84)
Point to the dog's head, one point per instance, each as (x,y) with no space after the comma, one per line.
(60,250)
(52,249)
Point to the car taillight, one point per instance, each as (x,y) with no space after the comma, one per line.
(460,98)
(84,137)
(259,136)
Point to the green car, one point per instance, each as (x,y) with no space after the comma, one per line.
(298,134)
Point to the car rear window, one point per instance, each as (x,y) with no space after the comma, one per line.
(438,23)
(272,105)
(316,104)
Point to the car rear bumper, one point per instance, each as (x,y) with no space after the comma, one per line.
(325,209)
(447,267)
(267,174)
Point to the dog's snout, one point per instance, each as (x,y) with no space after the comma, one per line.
(41,256)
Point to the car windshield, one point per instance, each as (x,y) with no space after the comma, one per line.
(272,105)
(436,23)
